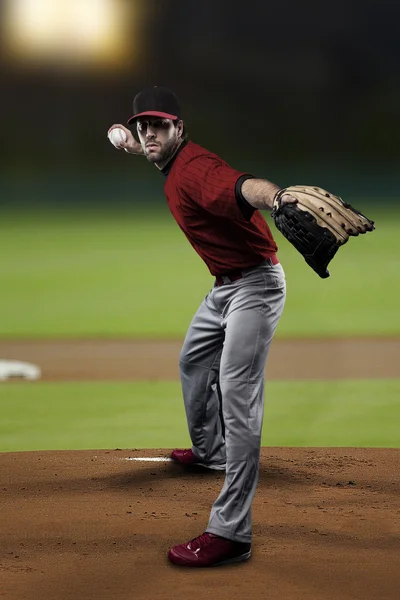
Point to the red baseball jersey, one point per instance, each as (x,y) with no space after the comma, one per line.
(202,195)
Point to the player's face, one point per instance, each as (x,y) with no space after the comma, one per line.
(159,138)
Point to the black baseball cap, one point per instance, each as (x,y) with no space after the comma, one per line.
(156,101)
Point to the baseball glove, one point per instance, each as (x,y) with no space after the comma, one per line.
(318,224)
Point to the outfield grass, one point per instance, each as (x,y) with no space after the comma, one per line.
(103,274)
(50,416)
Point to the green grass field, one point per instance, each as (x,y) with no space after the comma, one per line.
(129,274)
(104,274)
(46,416)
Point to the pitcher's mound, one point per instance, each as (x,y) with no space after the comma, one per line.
(89,525)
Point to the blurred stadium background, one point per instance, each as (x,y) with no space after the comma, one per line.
(295,92)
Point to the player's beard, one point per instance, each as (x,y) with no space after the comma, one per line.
(163,153)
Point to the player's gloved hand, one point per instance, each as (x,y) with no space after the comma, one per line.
(318,225)
(287,199)
(130,145)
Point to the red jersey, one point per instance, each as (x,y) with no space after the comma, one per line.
(202,196)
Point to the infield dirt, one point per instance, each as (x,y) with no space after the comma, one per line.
(71,360)
(90,525)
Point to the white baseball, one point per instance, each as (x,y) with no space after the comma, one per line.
(116,136)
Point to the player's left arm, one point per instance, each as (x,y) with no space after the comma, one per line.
(225,192)
(260,194)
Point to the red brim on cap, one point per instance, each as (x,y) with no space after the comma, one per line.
(152,113)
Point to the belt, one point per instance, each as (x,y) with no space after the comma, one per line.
(235,274)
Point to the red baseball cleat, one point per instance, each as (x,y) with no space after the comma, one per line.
(209,550)
(187,458)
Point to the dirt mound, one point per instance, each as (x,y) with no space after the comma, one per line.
(91,525)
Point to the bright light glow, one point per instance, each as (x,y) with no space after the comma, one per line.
(69,31)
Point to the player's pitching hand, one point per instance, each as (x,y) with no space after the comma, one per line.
(129,144)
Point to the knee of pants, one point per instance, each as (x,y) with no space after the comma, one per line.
(184,359)
(186,354)
(191,369)
(186,366)
(194,357)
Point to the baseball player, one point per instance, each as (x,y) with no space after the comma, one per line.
(223,357)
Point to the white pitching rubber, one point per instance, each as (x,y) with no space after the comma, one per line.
(147,459)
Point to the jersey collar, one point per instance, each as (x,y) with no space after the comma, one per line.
(165,171)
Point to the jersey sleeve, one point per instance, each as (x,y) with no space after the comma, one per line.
(212,184)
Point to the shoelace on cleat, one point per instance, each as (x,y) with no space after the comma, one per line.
(201,541)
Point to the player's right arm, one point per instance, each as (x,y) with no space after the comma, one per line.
(130,145)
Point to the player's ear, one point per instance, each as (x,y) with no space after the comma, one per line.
(179,127)
(134,130)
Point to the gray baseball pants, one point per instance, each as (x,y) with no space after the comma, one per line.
(223,363)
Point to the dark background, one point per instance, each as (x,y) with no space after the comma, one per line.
(298,92)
